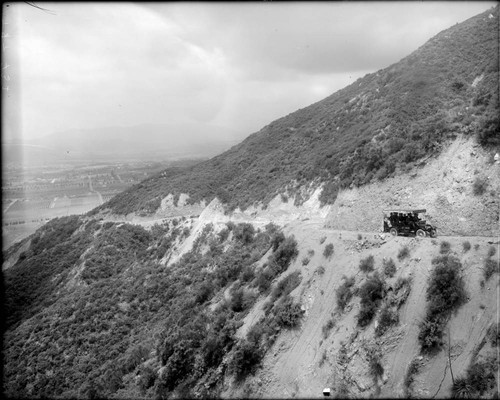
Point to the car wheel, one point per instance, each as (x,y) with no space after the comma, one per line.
(420,233)
(394,232)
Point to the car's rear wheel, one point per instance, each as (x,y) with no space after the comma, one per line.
(394,232)
(420,233)
(433,233)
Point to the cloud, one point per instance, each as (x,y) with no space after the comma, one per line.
(113,65)
(235,64)
(271,39)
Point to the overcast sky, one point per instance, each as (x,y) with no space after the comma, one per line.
(237,65)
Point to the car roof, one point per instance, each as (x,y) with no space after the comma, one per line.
(405,210)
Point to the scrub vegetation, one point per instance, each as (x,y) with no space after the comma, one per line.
(78,301)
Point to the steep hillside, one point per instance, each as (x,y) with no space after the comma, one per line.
(193,308)
(381,125)
(331,348)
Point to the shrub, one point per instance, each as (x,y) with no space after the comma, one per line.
(244,233)
(479,186)
(305,261)
(360,236)
(387,318)
(147,378)
(247,274)
(445,293)
(480,377)
(367,264)
(476,246)
(403,253)
(493,334)
(263,281)
(446,287)
(490,267)
(466,246)
(286,285)
(323,358)
(431,334)
(179,363)
(246,357)
(374,363)
(444,247)
(237,303)
(412,370)
(277,239)
(320,270)
(461,389)
(389,267)
(327,328)
(288,313)
(327,253)
(322,239)
(284,254)
(371,294)
(344,293)
(405,285)
(223,235)
(492,251)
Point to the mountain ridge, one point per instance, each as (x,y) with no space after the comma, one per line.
(383,123)
(145,141)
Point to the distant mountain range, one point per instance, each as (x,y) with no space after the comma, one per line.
(145,142)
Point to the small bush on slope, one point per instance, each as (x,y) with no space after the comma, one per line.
(286,285)
(344,293)
(389,267)
(491,267)
(445,293)
(245,360)
(493,334)
(403,253)
(412,370)
(327,253)
(285,253)
(287,312)
(367,264)
(444,247)
(478,380)
(371,293)
(466,246)
(479,186)
(387,318)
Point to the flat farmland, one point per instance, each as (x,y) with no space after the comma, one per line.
(23,217)
(32,196)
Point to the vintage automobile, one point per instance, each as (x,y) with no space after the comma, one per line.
(407,223)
